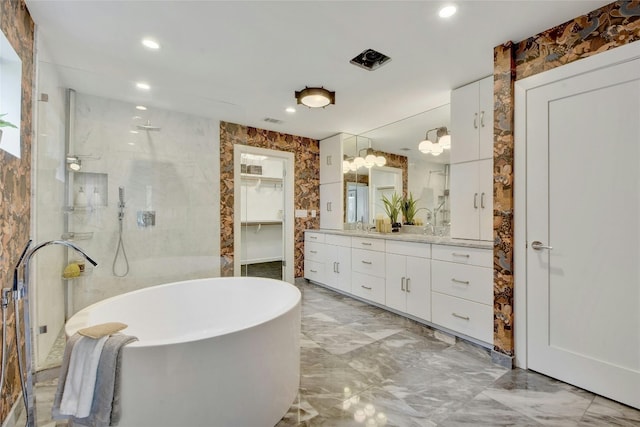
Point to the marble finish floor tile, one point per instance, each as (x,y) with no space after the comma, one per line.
(363,366)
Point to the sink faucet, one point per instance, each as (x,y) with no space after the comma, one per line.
(21,291)
(431,227)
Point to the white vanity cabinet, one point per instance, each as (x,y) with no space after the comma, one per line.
(408,278)
(368,269)
(462,290)
(472,200)
(338,262)
(472,121)
(314,257)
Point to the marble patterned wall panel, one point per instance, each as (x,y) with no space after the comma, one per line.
(608,27)
(306,182)
(15,181)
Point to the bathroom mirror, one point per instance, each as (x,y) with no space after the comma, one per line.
(407,170)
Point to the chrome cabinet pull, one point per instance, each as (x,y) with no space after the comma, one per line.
(408,281)
(482,118)
(313,237)
(367,262)
(459,316)
(314,252)
(482,200)
(313,271)
(475,120)
(365,243)
(402,284)
(328,206)
(475,200)
(463,255)
(328,160)
(366,287)
(338,267)
(537,245)
(334,267)
(464,282)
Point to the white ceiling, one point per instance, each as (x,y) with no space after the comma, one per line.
(241,61)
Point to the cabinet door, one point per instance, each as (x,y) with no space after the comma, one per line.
(339,267)
(485,181)
(395,291)
(331,206)
(465,201)
(331,160)
(485,122)
(330,266)
(464,123)
(418,287)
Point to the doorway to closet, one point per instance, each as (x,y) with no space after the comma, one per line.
(263,213)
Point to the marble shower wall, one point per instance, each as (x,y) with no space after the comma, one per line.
(15,182)
(173,172)
(306,182)
(606,28)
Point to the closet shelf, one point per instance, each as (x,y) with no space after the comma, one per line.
(252,177)
(267,222)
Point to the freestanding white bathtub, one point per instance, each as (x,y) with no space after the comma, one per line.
(211,352)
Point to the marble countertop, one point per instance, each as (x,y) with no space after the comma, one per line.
(410,237)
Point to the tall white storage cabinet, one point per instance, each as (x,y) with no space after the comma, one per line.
(331,183)
(472,161)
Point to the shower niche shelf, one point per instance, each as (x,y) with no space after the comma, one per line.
(96,191)
(72,236)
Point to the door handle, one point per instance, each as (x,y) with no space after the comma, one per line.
(482,118)
(463,282)
(459,316)
(328,206)
(402,284)
(475,120)
(408,281)
(338,267)
(537,245)
(482,200)
(328,160)
(475,200)
(366,287)
(367,262)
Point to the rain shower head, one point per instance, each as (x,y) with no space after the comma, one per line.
(149,127)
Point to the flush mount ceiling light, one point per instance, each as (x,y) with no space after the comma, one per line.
(143,86)
(141,107)
(315,97)
(443,142)
(151,44)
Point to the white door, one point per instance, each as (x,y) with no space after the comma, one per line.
(583,197)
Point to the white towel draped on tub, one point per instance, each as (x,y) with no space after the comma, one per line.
(103,399)
(81,377)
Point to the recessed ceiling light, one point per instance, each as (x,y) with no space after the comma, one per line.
(143,86)
(151,44)
(133,131)
(290,110)
(141,107)
(447,11)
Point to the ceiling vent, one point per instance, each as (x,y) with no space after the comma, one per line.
(370,59)
(270,120)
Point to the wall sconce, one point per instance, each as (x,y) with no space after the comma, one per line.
(443,142)
(315,97)
(369,160)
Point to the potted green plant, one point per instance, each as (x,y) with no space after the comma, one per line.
(409,209)
(5,124)
(393,207)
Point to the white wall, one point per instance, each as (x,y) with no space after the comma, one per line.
(174,172)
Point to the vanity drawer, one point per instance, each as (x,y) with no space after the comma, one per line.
(310,236)
(368,287)
(464,281)
(369,244)
(368,262)
(420,250)
(314,270)
(463,255)
(314,251)
(333,239)
(463,316)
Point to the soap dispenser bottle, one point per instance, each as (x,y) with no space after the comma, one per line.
(81,198)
